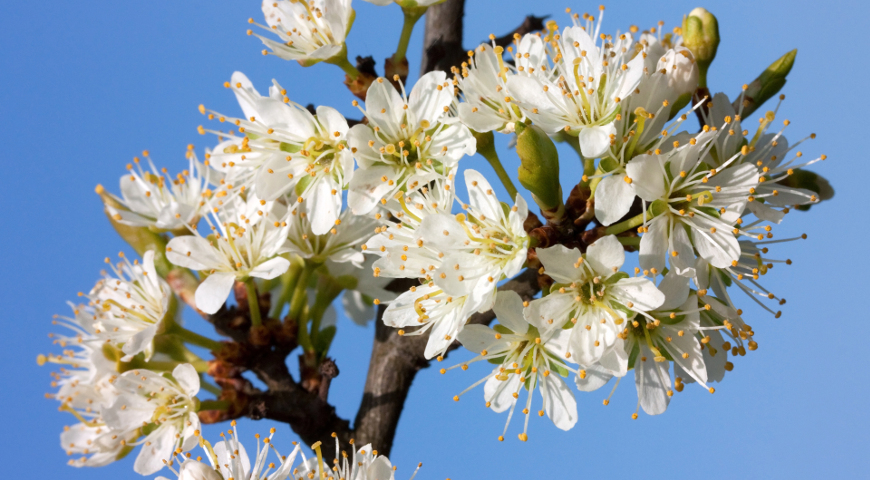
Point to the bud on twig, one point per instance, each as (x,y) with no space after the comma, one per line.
(767,84)
(539,171)
(701,36)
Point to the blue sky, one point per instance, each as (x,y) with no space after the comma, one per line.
(86,86)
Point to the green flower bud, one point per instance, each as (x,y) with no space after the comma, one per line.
(539,171)
(701,36)
(767,84)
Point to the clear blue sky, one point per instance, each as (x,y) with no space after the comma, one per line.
(88,85)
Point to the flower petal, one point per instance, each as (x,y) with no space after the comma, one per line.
(613,199)
(595,141)
(192,251)
(509,311)
(606,255)
(213,292)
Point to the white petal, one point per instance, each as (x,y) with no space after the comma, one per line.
(187,378)
(613,199)
(509,311)
(596,377)
(270,268)
(647,177)
(477,338)
(429,97)
(676,290)
(653,380)
(595,141)
(481,195)
(193,252)
(641,292)
(227,455)
(684,262)
(161,443)
(384,106)
(140,341)
(654,244)
(616,359)
(559,402)
(480,119)
(549,312)
(605,255)
(367,188)
(559,263)
(213,292)
(332,121)
(500,392)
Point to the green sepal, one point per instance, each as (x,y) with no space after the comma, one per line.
(323,340)
(289,147)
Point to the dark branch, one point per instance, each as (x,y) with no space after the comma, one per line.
(442,41)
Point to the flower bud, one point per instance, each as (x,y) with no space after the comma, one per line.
(701,36)
(539,171)
(767,84)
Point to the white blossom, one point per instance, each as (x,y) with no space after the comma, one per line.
(531,355)
(670,333)
(340,244)
(150,198)
(588,82)
(460,259)
(131,305)
(406,3)
(247,239)
(642,126)
(286,151)
(229,459)
(688,196)
(408,141)
(168,404)
(483,82)
(310,31)
(595,297)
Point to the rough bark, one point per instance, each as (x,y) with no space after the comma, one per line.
(442,41)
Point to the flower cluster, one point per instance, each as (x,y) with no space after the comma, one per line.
(228,459)
(117,411)
(295,206)
(703,206)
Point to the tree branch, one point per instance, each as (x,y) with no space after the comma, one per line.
(442,41)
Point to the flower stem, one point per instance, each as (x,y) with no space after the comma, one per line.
(216,391)
(629,241)
(486,148)
(327,291)
(194,338)
(299,302)
(213,405)
(340,60)
(288,282)
(411,17)
(300,294)
(253,302)
(626,225)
